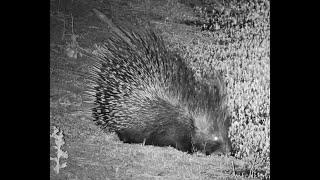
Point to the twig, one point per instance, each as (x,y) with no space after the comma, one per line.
(234,171)
(72,24)
(64,27)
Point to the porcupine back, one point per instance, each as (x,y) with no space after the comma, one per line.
(145,93)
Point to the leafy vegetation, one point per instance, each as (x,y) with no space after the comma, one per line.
(240,47)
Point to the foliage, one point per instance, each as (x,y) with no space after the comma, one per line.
(58,136)
(240,47)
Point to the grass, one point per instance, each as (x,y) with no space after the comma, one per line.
(241,50)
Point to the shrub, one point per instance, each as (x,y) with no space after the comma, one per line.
(241,49)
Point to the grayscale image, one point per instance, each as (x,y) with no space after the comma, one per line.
(160,89)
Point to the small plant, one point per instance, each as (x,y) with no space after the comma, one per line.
(73,48)
(60,154)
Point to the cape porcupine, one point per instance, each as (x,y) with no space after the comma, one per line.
(147,94)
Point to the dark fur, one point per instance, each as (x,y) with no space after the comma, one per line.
(147,94)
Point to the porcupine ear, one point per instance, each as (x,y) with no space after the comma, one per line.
(220,87)
(216,83)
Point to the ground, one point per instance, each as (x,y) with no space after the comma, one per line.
(93,154)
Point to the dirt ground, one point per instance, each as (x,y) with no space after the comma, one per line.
(92,154)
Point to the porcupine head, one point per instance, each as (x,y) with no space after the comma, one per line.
(210,116)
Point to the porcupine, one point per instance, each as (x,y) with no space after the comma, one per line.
(147,94)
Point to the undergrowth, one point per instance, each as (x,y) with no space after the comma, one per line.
(240,47)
